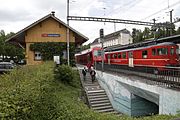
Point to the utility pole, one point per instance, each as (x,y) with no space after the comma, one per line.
(154,31)
(114,27)
(67,36)
(170,12)
(102,42)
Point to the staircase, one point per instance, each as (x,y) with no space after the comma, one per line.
(99,101)
(97,98)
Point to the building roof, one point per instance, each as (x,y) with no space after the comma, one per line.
(20,36)
(111,36)
(174,39)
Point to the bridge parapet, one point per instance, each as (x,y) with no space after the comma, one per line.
(137,96)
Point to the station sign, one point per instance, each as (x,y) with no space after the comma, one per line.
(50,35)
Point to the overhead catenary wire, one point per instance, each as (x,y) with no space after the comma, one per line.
(174,4)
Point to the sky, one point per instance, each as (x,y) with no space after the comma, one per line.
(18,14)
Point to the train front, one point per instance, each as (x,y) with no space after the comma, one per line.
(97,55)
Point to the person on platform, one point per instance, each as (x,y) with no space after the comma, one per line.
(84,73)
(93,74)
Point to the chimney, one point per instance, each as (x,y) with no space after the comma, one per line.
(53,13)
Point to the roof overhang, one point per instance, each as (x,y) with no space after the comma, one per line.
(19,37)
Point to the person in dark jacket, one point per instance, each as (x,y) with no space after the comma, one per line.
(84,73)
(93,75)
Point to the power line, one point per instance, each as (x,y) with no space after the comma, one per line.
(162,10)
(97,19)
(129,4)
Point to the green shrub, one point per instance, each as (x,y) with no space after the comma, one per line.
(64,73)
(26,93)
(31,93)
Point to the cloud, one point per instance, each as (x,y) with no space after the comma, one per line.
(7,15)
(17,14)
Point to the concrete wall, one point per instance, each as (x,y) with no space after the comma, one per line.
(128,95)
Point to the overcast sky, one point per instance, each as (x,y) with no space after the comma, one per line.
(17,14)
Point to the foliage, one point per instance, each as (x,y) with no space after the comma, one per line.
(26,93)
(32,93)
(49,49)
(84,47)
(154,32)
(65,74)
(15,53)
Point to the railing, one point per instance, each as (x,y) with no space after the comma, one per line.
(84,91)
(169,77)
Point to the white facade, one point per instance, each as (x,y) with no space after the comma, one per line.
(121,37)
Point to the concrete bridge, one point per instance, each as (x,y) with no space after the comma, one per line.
(136,96)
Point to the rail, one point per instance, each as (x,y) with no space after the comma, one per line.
(168,77)
(83,90)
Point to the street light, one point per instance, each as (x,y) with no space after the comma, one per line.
(102,41)
(68,32)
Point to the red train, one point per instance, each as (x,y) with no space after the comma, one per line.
(89,57)
(154,56)
(157,56)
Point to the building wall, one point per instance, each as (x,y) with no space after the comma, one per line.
(34,35)
(125,39)
(122,39)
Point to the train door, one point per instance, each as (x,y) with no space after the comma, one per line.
(131,61)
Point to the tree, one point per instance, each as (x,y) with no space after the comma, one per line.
(137,35)
(8,50)
(146,33)
(178,31)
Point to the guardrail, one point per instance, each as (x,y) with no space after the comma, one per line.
(6,66)
(83,90)
(169,76)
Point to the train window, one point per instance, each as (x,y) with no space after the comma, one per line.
(114,56)
(130,55)
(119,55)
(153,51)
(162,51)
(172,51)
(178,51)
(124,55)
(144,54)
(97,52)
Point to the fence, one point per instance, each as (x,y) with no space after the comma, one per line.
(169,76)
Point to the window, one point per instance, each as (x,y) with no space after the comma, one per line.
(97,53)
(124,55)
(162,51)
(115,56)
(153,51)
(37,56)
(130,55)
(119,55)
(144,54)
(178,51)
(172,51)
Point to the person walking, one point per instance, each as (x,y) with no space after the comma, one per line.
(93,75)
(84,73)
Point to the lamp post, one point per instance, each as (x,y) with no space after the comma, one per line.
(67,33)
(102,41)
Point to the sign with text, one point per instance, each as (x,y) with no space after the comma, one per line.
(50,35)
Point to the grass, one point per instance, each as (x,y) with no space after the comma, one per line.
(32,93)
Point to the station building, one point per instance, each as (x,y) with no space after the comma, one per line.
(46,29)
(121,37)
